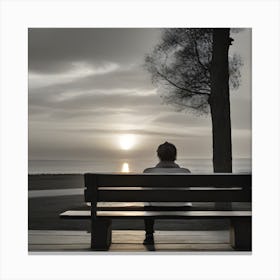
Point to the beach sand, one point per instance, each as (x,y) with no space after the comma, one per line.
(43,212)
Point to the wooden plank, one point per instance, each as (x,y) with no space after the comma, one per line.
(85,214)
(58,232)
(129,236)
(170,188)
(36,239)
(171,248)
(172,237)
(58,248)
(167,180)
(169,195)
(76,214)
(173,214)
(139,205)
(132,248)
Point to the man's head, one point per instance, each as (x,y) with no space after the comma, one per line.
(167,152)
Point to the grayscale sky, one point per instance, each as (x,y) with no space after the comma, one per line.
(88,88)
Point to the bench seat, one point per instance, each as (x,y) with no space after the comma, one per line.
(86,214)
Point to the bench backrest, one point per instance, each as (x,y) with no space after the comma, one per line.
(151,187)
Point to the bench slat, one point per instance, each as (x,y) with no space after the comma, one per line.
(162,214)
(170,188)
(173,195)
(76,214)
(80,214)
(174,180)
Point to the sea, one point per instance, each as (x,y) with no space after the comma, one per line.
(240,165)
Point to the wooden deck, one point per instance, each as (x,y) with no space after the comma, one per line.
(130,241)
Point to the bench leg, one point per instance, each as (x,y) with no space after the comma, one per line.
(241,233)
(101,234)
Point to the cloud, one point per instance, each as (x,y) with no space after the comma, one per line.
(95,102)
(78,70)
(117,77)
(55,49)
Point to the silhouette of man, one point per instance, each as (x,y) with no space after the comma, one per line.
(167,153)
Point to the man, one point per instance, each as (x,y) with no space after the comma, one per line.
(167,153)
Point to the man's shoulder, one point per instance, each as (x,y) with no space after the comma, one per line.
(166,170)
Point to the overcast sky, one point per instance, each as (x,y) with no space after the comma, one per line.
(87,87)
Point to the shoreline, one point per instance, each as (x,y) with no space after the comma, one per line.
(56,192)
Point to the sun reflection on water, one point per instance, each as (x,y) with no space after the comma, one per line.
(125,167)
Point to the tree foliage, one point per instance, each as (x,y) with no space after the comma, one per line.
(180,66)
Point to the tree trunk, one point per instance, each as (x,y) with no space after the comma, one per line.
(220,102)
(220,106)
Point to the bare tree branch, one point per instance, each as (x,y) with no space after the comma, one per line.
(198,58)
(191,92)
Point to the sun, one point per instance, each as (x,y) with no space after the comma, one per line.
(127,141)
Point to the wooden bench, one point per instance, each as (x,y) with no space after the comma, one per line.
(223,187)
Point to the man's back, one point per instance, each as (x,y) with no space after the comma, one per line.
(166,167)
(166,170)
